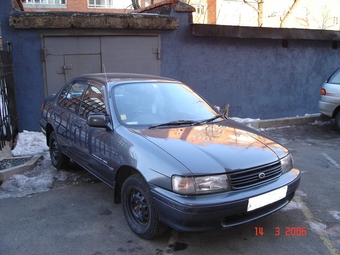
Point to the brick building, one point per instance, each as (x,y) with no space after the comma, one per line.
(84,5)
(307,14)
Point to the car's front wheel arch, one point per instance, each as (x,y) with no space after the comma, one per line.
(139,208)
(58,159)
(123,173)
(49,130)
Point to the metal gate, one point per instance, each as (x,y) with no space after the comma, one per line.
(68,56)
(8,109)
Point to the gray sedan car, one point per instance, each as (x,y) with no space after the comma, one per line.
(171,158)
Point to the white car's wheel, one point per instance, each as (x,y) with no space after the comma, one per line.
(337,121)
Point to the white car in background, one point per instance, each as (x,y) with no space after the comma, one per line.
(329,103)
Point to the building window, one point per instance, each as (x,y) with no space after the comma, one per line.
(44,1)
(100,3)
(200,9)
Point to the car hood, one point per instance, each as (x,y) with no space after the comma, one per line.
(215,148)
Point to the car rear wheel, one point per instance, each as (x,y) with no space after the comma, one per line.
(139,209)
(58,159)
(337,121)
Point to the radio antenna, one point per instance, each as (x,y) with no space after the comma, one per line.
(105,72)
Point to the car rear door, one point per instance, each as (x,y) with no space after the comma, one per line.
(66,111)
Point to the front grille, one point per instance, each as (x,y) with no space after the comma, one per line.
(251,177)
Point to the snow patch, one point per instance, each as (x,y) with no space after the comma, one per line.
(335,214)
(30,143)
(317,227)
(292,206)
(245,120)
(37,180)
(300,193)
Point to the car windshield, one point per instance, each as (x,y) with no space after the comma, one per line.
(160,104)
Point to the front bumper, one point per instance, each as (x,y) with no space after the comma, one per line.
(223,210)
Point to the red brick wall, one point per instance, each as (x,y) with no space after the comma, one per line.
(81,6)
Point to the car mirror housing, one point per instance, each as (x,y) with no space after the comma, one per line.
(97,120)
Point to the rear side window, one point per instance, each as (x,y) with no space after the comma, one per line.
(71,96)
(335,78)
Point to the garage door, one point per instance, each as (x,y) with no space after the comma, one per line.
(66,57)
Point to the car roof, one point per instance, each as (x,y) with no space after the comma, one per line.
(106,78)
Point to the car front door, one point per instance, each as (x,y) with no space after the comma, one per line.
(94,143)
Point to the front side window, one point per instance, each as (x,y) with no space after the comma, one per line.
(70,97)
(157,103)
(93,102)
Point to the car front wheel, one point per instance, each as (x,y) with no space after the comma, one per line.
(139,209)
(58,159)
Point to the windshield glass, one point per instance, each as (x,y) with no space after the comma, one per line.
(158,103)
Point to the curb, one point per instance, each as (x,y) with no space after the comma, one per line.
(29,165)
(284,122)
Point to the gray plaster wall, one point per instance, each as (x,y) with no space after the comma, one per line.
(256,77)
(28,69)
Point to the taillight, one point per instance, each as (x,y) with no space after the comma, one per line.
(323,92)
(42,107)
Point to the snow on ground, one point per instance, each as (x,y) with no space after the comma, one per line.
(30,143)
(44,176)
(37,180)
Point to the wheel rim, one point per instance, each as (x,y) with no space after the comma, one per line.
(139,207)
(55,150)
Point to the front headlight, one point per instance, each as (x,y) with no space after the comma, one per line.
(200,184)
(287,163)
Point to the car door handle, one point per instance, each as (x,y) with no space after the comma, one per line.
(77,125)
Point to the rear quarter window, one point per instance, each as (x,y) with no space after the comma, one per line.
(335,78)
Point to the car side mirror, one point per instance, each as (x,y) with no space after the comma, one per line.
(97,120)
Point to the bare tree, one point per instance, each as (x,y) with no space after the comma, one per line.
(289,13)
(258,9)
(326,18)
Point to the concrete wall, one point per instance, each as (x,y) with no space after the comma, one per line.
(28,70)
(257,77)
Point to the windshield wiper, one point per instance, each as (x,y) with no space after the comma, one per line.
(174,123)
(209,120)
(185,122)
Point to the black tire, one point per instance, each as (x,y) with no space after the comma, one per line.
(139,209)
(337,121)
(58,159)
